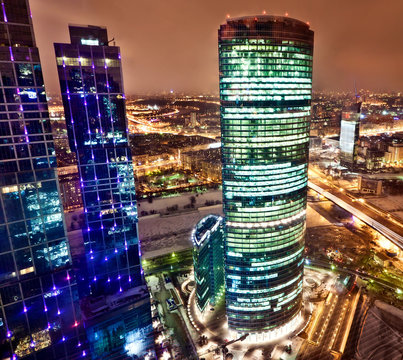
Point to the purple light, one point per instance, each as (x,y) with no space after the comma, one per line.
(95,278)
(49,327)
(54,287)
(116,251)
(109,280)
(63,338)
(120,289)
(14,357)
(130,279)
(84,353)
(45,309)
(106,258)
(58,312)
(118,277)
(9,334)
(32,344)
(11,54)
(25,309)
(79,344)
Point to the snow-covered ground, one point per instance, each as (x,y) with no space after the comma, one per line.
(160,205)
(164,234)
(165,231)
(391,203)
(160,235)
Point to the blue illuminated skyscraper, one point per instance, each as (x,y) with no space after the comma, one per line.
(265,90)
(39,314)
(114,297)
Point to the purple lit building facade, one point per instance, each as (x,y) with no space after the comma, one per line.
(113,295)
(39,313)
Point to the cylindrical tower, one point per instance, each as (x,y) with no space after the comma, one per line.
(265,89)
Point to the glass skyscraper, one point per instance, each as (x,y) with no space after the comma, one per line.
(208,260)
(349,135)
(114,297)
(265,65)
(39,316)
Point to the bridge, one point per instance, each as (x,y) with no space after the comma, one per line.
(380,220)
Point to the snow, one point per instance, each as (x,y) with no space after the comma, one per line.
(160,205)
(391,203)
(163,234)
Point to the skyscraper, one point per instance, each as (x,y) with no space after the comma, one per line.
(349,135)
(265,65)
(39,316)
(208,260)
(114,297)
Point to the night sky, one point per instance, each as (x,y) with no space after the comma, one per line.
(172,44)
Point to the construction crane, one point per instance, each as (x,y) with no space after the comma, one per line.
(223,347)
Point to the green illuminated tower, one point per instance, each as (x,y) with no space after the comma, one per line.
(265,89)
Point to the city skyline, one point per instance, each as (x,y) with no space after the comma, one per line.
(356,41)
(226,210)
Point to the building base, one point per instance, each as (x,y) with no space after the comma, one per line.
(293,327)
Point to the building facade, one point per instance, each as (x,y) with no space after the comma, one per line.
(349,135)
(39,314)
(208,260)
(265,65)
(111,281)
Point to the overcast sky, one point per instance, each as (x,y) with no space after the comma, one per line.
(172,44)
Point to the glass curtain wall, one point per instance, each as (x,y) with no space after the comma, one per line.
(39,315)
(265,65)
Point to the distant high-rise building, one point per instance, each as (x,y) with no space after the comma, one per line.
(265,65)
(114,297)
(208,260)
(193,119)
(39,316)
(349,135)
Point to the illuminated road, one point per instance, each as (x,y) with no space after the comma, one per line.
(380,220)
